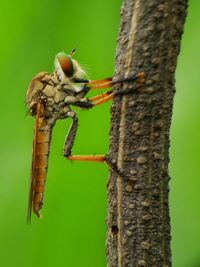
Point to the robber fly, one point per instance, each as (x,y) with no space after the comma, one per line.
(49,97)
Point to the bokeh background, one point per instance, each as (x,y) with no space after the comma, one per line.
(72,230)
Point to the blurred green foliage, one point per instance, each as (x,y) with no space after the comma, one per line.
(72,231)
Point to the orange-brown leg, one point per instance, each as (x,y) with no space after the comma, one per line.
(104,97)
(100,96)
(101,99)
(96,158)
(101,86)
(96,100)
(103,81)
(108,82)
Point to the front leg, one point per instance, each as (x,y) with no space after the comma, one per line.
(104,97)
(108,82)
(95,101)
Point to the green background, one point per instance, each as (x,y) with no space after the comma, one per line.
(72,230)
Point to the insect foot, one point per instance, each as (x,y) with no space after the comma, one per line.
(115,169)
(139,78)
(113,166)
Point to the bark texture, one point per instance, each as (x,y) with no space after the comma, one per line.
(138,223)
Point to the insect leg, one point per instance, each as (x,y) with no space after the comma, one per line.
(98,84)
(94,101)
(97,158)
(100,96)
(105,83)
(69,140)
(77,80)
(108,82)
(104,97)
(94,158)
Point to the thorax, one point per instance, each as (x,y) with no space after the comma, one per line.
(56,97)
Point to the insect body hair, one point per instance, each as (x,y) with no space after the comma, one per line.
(79,72)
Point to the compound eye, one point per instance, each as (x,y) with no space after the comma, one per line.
(66,64)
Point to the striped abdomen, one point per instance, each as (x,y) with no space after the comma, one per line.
(41,164)
(40,153)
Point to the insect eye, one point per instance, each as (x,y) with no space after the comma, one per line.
(66,64)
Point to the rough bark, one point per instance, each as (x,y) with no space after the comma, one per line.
(138,222)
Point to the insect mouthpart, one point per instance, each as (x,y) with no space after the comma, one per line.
(64,65)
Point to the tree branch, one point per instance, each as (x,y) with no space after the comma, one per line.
(138,220)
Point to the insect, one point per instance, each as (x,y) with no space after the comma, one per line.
(49,97)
